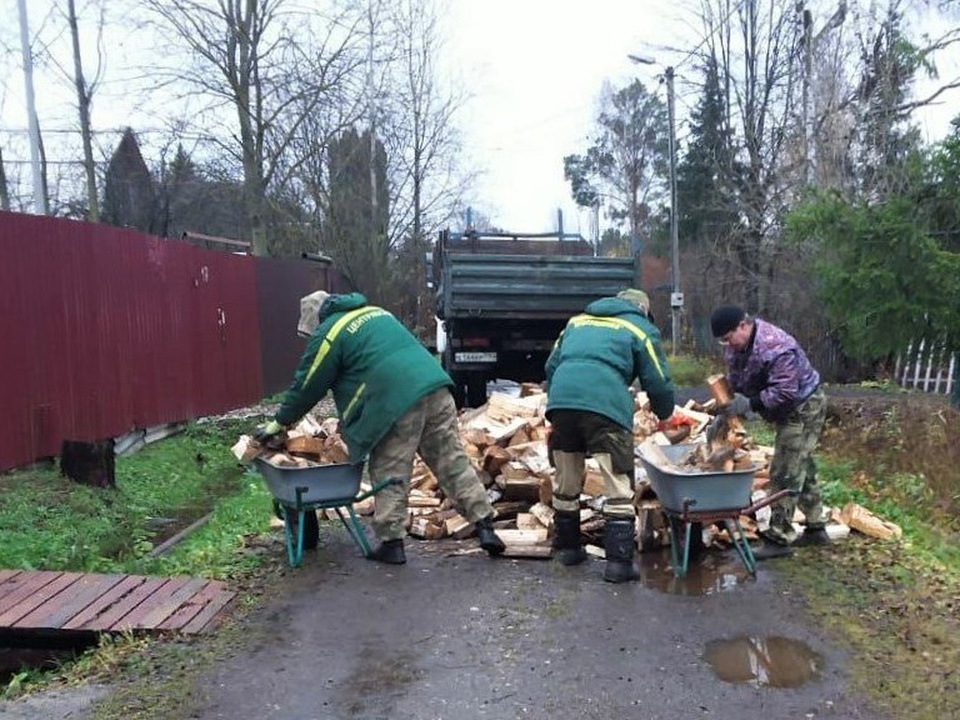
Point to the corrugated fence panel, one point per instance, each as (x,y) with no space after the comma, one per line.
(105,330)
(280,285)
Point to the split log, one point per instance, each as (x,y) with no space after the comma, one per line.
(544,514)
(866,522)
(494,458)
(531,552)
(528,521)
(458,527)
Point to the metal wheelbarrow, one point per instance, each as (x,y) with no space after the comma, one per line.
(691,497)
(299,490)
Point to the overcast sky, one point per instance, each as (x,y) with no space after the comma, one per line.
(533,68)
(536,70)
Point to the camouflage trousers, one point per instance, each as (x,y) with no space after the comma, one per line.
(794,468)
(574,435)
(430,428)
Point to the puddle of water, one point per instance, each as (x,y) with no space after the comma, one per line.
(708,574)
(764,662)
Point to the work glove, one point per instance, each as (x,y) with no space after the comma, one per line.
(270,435)
(739,405)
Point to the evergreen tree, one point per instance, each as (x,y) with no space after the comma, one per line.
(356,229)
(128,194)
(707,212)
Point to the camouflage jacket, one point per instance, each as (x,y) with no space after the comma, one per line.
(773,368)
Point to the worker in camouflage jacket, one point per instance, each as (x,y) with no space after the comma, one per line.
(393,400)
(595,360)
(771,376)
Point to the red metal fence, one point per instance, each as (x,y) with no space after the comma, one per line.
(106,330)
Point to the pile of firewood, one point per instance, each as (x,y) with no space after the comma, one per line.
(506,442)
(309,444)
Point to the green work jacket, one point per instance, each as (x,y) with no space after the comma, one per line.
(375,367)
(598,356)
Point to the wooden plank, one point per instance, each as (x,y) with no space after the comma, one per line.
(188,610)
(7,574)
(162,608)
(27,584)
(16,611)
(134,618)
(119,610)
(206,618)
(65,605)
(8,581)
(104,602)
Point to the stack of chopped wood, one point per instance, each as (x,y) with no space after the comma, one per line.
(506,443)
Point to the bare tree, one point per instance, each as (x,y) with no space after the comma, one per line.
(271,63)
(755,51)
(84,99)
(423,146)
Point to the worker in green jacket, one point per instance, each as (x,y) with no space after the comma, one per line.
(393,400)
(595,360)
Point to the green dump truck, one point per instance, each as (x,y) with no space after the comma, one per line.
(503,298)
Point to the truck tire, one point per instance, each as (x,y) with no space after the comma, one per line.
(476,390)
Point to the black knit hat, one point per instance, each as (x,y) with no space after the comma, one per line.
(725,319)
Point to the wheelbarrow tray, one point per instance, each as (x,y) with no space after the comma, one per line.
(329,485)
(682,491)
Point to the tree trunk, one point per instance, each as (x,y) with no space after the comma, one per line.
(4,194)
(88,463)
(83,105)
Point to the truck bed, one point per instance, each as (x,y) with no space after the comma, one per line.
(528,286)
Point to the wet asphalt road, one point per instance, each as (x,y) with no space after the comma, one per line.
(464,636)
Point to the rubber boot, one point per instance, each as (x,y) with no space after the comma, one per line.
(620,543)
(488,538)
(812,536)
(390,552)
(567,547)
(768,550)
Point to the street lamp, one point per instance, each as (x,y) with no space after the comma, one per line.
(676,295)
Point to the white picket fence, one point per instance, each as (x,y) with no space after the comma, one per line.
(928,367)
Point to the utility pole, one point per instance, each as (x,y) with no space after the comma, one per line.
(807,20)
(676,295)
(39,196)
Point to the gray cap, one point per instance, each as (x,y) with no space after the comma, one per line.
(310,312)
(637,297)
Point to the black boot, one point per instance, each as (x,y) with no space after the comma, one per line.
(390,552)
(566,541)
(768,550)
(812,536)
(619,542)
(488,538)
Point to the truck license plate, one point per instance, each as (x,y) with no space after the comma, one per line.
(475,357)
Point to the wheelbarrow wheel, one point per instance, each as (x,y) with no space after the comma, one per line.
(311,526)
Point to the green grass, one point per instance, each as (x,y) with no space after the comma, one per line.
(690,371)
(52,523)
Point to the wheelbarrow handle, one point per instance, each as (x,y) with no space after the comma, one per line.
(768,500)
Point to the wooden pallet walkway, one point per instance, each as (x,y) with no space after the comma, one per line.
(69,602)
